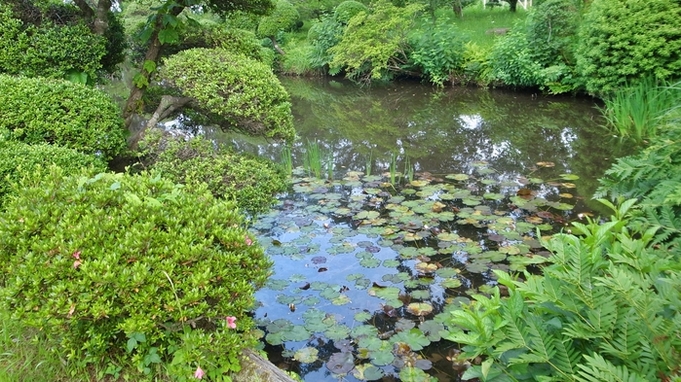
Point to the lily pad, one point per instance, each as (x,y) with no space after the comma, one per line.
(306,355)
(337,332)
(458,177)
(341,363)
(414,338)
(420,308)
(412,374)
(382,358)
(367,372)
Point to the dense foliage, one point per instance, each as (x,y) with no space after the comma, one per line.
(625,40)
(439,52)
(36,110)
(48,50)
(605,309)
(131,267)
(654,177)
(284,18)
(242,93)
(19,159)
(248,181)
(374,44)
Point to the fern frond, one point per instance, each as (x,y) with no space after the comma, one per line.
(566,359)
(598,369)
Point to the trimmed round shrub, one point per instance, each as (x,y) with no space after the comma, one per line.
(285,17)
(347,9)
(249,181)
(133,268)
(49,50)
(242,93)
(622,41)
(20,159)
(39,110)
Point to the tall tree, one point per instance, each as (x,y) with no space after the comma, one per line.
(162,28)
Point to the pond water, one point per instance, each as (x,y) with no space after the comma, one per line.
(425,192)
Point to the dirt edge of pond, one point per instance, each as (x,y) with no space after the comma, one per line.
(255,368)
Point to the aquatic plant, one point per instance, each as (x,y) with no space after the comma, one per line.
(312,159)
(636,111)
(286,159)
(376,268)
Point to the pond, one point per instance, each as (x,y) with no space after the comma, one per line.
(422,193)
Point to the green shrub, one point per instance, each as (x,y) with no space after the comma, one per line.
(58,112)
(131,269)
(322,35)
(654,177)
(347,10)
(240,92)
(284,18)
(250,182)
(374,45)
(607,308)
(551,30)
(19,159)
(624,40)
(513,63)
(438,51)
(476,67)
(49,50)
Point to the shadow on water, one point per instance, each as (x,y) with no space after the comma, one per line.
(366,272)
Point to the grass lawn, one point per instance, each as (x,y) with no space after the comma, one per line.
(477,21)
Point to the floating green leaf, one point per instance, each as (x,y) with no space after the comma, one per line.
(341,363)
(306,355)
(420,308)
(337,332)
(366,372)
(414,338)
(412,374)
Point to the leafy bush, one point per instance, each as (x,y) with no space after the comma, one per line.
(438,51)
(374,45)
(50,50)
(59,112)
(606,309)
(347,10)
(248,181)
(19,159)
(551,30)
(513,63)
(242,93)
(625,40)
(476,67)
(654,177)
(284,18)
(132,268)
(322,35)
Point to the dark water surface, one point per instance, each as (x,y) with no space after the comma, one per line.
(366,272)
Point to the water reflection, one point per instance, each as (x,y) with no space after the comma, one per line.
(443,131)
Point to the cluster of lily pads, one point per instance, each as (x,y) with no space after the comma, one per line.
(366,271)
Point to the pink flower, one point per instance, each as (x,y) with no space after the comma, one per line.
(249,241)
(76,255)
(199,373)
(77,264)
(231,322)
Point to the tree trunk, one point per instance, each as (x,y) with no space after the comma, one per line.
(513,4)
(166,107)
(458,8)
(134,102)
(276,47)
(101,23)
